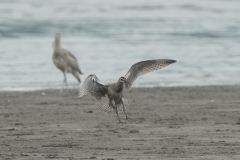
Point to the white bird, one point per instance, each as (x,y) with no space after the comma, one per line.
(93,87)
(64,60)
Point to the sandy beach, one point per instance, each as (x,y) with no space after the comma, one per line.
(167,123)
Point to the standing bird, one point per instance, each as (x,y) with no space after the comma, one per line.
(93,87)
(64,60)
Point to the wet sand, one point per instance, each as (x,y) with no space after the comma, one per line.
(167,123)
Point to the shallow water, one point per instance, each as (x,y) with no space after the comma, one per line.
(108,37)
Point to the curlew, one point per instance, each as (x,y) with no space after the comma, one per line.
(93,87)
(64,60)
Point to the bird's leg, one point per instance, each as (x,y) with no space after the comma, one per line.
(65,80)
(119,122)
(127,118)
(116,110)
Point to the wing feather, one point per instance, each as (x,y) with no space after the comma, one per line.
(107,108)
(71,60)
(93,87)
(144,67)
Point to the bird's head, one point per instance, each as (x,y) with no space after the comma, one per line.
(57,40)
(123,80)
(57,36)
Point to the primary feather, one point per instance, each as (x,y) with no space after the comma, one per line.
(144,67)
(93,87)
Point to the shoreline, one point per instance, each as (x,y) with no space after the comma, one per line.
(22,89)
(200,122)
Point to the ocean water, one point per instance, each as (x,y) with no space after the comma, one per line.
(107,37)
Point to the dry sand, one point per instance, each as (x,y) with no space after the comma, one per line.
(168,123)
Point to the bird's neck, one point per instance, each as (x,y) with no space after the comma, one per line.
(57,44)
(118,87)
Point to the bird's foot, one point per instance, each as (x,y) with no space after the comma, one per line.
(120,122)
(128,119)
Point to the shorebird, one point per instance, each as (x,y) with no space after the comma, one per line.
(93,87)
(64,60)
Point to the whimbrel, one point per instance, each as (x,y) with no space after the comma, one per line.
(93,87)
(64,60)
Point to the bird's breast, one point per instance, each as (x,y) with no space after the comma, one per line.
(114,94)
(61,64)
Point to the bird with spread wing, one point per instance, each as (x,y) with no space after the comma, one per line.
(93,87)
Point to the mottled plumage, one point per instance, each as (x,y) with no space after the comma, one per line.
(64,60)
(93,87)
(144,67)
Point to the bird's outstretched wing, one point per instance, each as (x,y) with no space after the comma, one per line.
(93,87)
(144,67)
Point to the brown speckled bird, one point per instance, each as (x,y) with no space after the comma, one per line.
(93,87)
(64,60)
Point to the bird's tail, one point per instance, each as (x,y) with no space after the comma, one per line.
(127,102)
(76,75)
(108,108)
(80,72)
